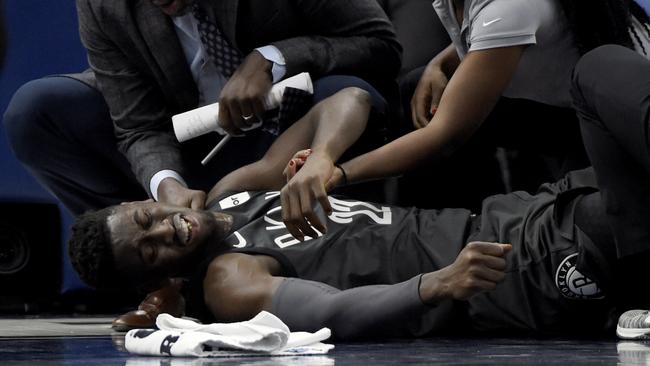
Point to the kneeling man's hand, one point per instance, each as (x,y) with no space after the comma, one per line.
(172,192)
(479,267)
(241,103)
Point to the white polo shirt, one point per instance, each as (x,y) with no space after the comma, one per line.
(544,72)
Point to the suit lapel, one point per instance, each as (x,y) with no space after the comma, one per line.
(225,12)
(160,37)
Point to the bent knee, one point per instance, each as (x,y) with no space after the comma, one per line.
(589,68)
(330,85)
(26,116)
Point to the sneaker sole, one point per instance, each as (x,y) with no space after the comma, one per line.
(633,333)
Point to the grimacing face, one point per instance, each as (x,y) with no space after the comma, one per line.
(151,237)
(173,7)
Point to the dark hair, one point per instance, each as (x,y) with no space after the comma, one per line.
(640,14)
(91,251)
(598,22)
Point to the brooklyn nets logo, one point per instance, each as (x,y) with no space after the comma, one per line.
(573,284)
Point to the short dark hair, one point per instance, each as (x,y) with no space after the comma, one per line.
(91,251)
(598,22)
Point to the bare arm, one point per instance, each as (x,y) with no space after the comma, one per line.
(238,286)
(447,60)
(330,127)
(469,97)
(432,84)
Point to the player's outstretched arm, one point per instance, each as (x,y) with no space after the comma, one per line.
(331,126)
(240,286)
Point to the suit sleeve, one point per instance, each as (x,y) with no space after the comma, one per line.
(141,120)
(350,37)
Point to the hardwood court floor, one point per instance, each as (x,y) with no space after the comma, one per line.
(102,349)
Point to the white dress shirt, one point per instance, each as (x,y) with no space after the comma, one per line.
(208,79)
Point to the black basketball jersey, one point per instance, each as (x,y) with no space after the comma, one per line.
(365,243)
(369,243)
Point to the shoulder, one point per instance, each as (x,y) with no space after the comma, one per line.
(503,23)
(512,12)
(100,10)
(229,263)
(235,267)
(238,271)
(102,6)
(238,286)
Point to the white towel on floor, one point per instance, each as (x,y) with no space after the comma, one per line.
(265,334)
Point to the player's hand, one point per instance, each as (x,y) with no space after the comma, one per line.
(299,160)
(241,103)
(172,192)
(426,97)
(296,162)
(479,267)
(305,189)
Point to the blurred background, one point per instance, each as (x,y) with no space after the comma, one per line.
(42,39)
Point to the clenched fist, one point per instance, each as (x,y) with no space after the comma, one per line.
(479,267)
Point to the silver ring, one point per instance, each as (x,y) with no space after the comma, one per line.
(248,117)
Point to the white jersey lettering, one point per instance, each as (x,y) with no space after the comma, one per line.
(234,200)
(344,212)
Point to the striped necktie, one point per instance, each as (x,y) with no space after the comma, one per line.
(225,57)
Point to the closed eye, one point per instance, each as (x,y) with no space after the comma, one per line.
(143,219)
(148,219)
(148,254)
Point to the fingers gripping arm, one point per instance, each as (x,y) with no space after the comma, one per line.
(331,126)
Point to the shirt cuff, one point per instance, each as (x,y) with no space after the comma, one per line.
(158,177)
(274,55)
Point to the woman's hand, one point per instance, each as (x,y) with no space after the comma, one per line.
(426,97)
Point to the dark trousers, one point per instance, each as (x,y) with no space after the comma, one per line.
(611,91)
(61,130)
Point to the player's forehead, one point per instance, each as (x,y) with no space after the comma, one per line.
(123,220)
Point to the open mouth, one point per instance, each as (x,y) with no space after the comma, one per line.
(183,227)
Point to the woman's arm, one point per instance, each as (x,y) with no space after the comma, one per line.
(471,94)
(432,85)
(469,97)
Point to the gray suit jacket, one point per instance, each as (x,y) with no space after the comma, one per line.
(141,70)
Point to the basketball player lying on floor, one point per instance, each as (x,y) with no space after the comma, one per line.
(375,270)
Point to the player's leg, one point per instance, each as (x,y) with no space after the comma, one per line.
(545,290)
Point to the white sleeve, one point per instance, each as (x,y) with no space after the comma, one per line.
(505,23)
(158,177)
(273,54)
